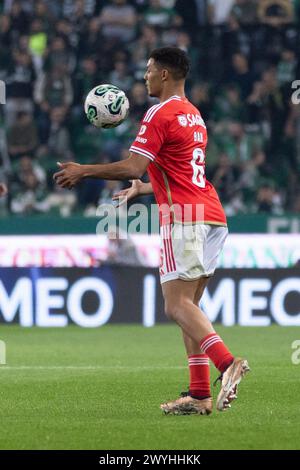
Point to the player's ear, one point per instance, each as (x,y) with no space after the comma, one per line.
(164,74)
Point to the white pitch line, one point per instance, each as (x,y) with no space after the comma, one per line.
(3,367)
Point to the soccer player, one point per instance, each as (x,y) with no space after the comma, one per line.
(171,147)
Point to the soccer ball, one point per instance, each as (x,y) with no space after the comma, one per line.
(106,106)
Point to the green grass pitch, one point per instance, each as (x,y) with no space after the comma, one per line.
(101,388)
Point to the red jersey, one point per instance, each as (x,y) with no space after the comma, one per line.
(173,136)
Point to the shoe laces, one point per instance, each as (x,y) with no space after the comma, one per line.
(221,375)
(218,379)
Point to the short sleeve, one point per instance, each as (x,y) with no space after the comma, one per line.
(151,135)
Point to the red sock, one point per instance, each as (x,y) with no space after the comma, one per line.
(199,376)
(213,346)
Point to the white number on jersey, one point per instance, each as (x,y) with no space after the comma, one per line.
(198,167)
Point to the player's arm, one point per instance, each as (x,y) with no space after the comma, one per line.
(138,188)
(72,173)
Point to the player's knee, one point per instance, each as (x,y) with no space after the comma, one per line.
(173,309)
(169,310)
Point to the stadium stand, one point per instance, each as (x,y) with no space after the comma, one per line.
(244,57)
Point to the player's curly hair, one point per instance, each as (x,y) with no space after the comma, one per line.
(173,59)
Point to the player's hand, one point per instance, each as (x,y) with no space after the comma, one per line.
(3,189)
(126,194)
(69,175)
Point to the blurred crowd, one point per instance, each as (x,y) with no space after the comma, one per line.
(244,56)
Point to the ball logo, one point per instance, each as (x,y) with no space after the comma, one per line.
(143,130)
(92,113)
(182,120)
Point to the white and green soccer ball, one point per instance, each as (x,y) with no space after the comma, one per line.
(106,106)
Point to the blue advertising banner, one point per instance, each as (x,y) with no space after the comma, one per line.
(92,297)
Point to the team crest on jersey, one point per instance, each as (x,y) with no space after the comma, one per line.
(182,120)
(143,129)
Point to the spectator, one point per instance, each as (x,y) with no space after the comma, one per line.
(268,200)
(20,81)
(118,21)
(27,165)
(90,39)
(138,100)
(225,177)
(235,38)
(254,171)
(275,12)
(5,31)
(29,189)
(19,18)
(193,17)
(184,42)
(79,16)
(23,45)
(83,8)
(141,49)
(219,10)
(159,16)
(232,138)
(57,143)
(54,89)
(37,43)
(42,13)
(245,11)
(241,75)
(120,76)
(286,68)
(68,32)
(22,136)
(228,105)
(255,105)
(59,55)
(200,97)
(86,78)
(275,109)
(5,44)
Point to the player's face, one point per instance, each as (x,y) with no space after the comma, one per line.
(153,79)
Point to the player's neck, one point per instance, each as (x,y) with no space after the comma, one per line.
(166,94)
